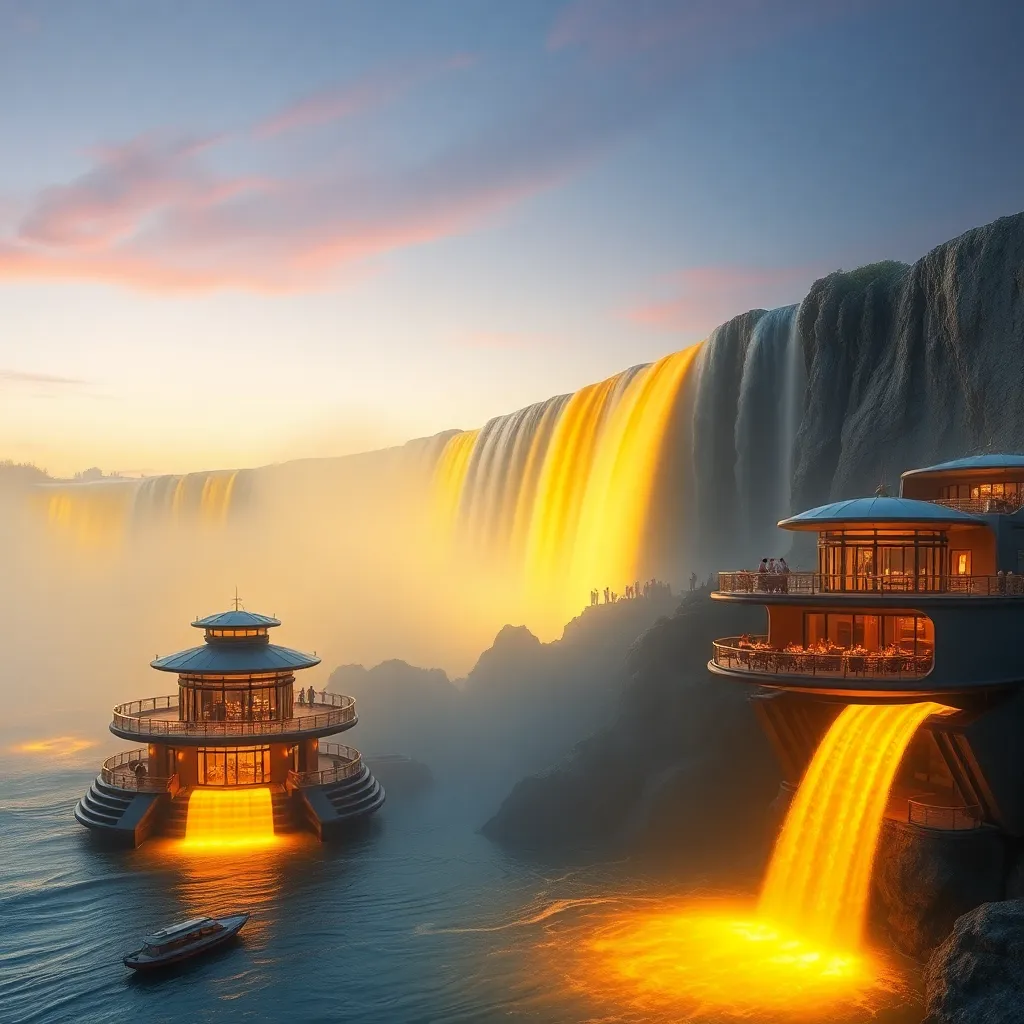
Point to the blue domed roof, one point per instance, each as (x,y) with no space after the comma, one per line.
(879,510)
(235,659)
(237,619)
(990,461)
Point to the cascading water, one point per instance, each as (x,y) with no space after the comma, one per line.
(559,492)
(233,818)
(798,955)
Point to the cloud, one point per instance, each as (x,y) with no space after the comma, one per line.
(363,96)
(697,299)
(160,213)
(16,377)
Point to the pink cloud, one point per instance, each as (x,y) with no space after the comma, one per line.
(698,299)
(359,97)
(154,215)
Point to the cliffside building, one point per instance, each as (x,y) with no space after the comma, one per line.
(238,720)
(916,597)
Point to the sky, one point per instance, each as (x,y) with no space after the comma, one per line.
(236,233)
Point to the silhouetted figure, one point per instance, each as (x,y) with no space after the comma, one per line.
(693,581)
(311,695)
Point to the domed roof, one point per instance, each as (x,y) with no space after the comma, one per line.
(237,619)
(879,509)
(235,659)
(988,462)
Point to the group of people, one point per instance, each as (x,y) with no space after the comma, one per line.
(773,574)
(651,588)
(309,696)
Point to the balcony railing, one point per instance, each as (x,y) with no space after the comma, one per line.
(348,762)
(982,506)
(809,583)
(139,717)
(130,770)
(951,819)
(756,656)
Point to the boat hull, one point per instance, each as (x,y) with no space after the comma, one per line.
(232,926)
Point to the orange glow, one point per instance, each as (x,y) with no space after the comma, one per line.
(710,960)
(220,819)
(58,746)
(819,877)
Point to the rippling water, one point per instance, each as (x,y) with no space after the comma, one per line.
(417,919)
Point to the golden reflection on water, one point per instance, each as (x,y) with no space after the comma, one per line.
(661,960)
(231,881)
(55,746)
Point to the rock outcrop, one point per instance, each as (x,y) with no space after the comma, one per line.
(977,975)
(925,879)
(684,768)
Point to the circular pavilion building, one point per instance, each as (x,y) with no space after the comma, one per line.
(238,722)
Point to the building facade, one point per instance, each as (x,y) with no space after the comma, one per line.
(239,718)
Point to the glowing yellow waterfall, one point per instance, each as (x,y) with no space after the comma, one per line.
(819,877)
(450,476)
(91,516)
(563,480)
(226,818)
(215,501)
(610,534)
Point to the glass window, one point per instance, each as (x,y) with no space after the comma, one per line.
(961,563)
(814,628)
(234,766)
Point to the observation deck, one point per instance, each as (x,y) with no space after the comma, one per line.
(159,717)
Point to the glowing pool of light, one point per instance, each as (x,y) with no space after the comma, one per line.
(709,960)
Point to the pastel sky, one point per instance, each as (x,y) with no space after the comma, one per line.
(237,232)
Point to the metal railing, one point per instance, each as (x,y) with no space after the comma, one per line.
(745,582)
(132,718)
(730,655)
(951,819)
(122,772)
(982,506)
(348,762)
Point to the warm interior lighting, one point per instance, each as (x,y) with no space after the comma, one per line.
(58,746)
(819,877)
(229,818)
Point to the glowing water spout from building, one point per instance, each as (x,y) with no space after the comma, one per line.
(230,818)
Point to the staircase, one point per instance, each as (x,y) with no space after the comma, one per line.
(355,797)
(284,818)
(177,816)
(103,806)
(332,808)
(124,816)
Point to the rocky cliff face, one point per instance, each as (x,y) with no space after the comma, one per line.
(684,768)
(909,365)
(975,976)
(523,704)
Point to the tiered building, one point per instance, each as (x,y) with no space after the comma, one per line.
(914,597)
(238,719)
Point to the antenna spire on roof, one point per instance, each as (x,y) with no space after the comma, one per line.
(238,600)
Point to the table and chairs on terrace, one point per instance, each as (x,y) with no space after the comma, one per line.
(756,654)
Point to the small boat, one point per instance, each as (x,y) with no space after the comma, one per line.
(185,940)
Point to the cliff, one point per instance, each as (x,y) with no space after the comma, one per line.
(684,768)
(523,703)
(912,365)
